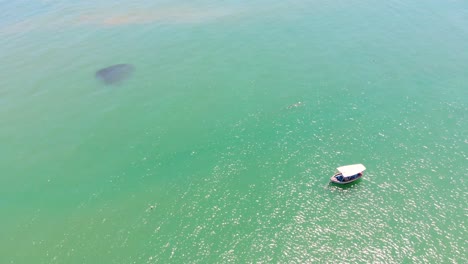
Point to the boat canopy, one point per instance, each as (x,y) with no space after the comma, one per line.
(351,170)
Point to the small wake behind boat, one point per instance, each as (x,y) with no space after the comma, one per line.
(347,174)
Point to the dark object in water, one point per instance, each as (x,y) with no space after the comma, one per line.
(115,74)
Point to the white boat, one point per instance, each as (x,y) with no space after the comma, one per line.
(348,173)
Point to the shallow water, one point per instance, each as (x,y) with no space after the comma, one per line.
(220,145)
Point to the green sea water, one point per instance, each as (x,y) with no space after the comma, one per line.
(220,145)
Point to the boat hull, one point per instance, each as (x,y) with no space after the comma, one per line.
(335,180)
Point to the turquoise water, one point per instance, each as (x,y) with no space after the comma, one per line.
(220,145)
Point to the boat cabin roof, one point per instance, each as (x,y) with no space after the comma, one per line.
(350,170)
